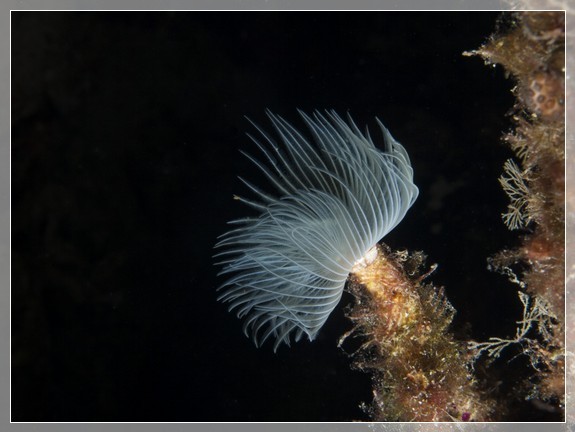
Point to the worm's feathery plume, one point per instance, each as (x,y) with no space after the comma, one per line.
(336,197)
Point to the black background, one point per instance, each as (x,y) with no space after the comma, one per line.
(125,136)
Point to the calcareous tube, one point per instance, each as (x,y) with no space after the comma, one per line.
(335,197)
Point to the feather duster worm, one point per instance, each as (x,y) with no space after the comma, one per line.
(337,196)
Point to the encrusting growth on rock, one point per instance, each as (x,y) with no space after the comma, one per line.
(532,49)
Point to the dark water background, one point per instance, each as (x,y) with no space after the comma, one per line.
(125,136)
